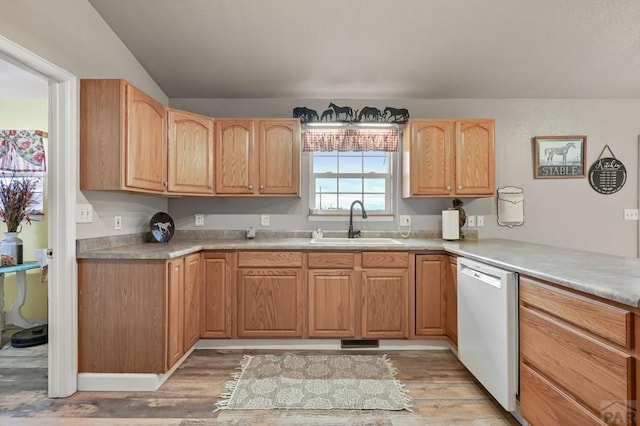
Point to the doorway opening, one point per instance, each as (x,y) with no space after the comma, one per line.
(61,235)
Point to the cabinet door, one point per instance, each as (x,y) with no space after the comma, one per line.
(475,157)
(431,278)
(146,142)
(235,165)
(384,306)
(216,318)
(175,311)
(279,148)
(452,301)
(192,300)
(190,162)
(332,307)
(270,302)
(430,156)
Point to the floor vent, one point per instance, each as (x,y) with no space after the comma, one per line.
(351,344)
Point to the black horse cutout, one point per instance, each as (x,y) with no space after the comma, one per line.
(346,110)
(396,115)
(369,114)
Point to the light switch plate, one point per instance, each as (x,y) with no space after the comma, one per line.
(264,220)
(199,220)
(84,213)
(117,222)
(480,221)
(405,220)
(471,221)
(630,214)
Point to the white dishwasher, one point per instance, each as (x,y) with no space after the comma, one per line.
(488,328)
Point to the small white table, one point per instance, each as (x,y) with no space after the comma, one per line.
(13,315)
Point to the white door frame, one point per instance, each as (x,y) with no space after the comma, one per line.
(63,184)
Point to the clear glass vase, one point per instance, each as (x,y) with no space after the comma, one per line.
(11,249)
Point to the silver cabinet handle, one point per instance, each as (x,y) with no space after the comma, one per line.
(250,186)
(261,186)
(210,186)
(448,187)
(459,186)
(165,183)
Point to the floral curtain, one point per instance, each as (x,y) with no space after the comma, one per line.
(22,155)
(351,140)
(22,151)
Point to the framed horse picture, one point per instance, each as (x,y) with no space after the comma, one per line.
(556,157)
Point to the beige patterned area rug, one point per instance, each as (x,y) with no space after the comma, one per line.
(315,382)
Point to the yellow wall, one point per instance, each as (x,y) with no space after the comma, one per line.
(28,114)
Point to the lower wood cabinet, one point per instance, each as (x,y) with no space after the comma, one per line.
(270,288)
(384,304)
(572,373)
(192,299)
(332,303)
(217,295)
(358,295)
(452,301)
(131,314)
(432,272)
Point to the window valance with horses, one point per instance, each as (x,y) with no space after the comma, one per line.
(350,139)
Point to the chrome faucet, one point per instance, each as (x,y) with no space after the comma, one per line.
(352,233)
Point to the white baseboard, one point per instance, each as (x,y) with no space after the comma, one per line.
(123,382)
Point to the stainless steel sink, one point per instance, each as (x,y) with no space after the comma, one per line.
(355,241)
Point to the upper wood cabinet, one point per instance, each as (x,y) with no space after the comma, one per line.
(190,153)
(262,163)
(123,138)
(444,158)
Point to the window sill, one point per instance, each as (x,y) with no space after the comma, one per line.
(345,218)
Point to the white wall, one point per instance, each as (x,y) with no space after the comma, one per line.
(561,212)
(71,35)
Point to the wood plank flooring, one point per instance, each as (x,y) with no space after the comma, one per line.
(444,393)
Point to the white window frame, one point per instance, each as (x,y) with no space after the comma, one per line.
(389,179)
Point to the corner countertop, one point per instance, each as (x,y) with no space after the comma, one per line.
(614,278)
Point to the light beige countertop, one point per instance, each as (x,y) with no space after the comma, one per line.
(614,278)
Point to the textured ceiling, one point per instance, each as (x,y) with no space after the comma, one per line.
(383,48)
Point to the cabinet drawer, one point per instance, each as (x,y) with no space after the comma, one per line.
(269,259)
(607,321)
(544,404)
(330,260)
(382,259)
(578,363)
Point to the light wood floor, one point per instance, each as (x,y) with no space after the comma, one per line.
(444,393)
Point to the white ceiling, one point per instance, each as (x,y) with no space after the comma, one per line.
(384,48)
(16,83)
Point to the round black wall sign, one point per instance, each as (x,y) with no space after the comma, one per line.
(607,175)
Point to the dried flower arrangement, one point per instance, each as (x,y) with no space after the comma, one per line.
(15,198)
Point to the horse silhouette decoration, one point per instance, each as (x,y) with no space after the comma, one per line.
(347,111)
(347,114)
(559,150)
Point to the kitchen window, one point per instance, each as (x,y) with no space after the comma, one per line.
(338,178)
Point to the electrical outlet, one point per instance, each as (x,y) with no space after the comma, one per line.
(405,220)
(480,221)
(630,214)
(199,220)
(117,222)
(471,221)
(264,220)
(84,213)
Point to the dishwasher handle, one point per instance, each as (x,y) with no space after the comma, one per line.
(481,276)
